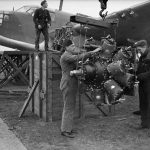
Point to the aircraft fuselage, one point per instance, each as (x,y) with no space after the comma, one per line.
(134,23)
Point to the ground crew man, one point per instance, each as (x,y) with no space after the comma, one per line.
(42,22)
(143,75)
(69,84)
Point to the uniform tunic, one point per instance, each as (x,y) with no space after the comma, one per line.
(69,86)
(143,74)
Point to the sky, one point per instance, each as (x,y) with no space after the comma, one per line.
(88,7)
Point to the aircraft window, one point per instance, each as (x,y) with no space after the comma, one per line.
(23,9)
(1,15)
(27,9)
(1,20)
(6,12)
(6,17)
(32,10)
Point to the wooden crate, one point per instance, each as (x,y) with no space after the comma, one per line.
(47,99)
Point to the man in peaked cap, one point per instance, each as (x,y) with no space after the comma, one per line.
(143,76)
(42,22)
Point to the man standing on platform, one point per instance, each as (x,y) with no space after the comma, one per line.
(69,84)
(42,22)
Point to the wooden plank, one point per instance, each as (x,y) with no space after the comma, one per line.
(36,77)
(46,102)
(31,78)
(28,99)
(50,89)
(40,82)
(45,87)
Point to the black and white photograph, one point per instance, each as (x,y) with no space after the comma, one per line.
(74,74)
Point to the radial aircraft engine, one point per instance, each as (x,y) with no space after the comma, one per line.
(108,74)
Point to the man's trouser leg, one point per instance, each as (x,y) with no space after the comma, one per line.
(45,33)
(143,105)
(69,97)
(145,117)
(37,32)
(148,110)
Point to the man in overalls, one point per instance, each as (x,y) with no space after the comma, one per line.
(69,84)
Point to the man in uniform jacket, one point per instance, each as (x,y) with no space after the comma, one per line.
(143,75)
(69,84)
(42,21)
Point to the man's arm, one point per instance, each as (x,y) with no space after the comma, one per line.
(49,18)
(73,58)
(35,17)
